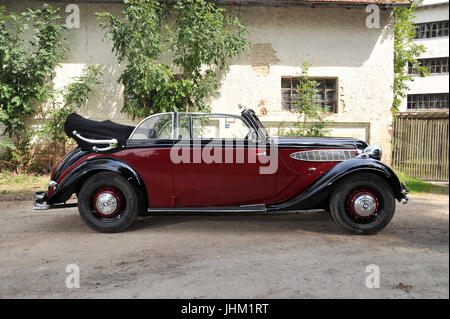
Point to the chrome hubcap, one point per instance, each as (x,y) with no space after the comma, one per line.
(365,205)
(106,204)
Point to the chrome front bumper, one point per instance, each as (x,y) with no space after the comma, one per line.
(40,201)
(405,192)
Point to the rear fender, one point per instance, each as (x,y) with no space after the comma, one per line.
(75,179)
(317,194)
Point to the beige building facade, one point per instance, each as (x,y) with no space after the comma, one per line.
(430,93)
(352,60)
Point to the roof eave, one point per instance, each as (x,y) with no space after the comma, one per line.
(307,4)
(268,3)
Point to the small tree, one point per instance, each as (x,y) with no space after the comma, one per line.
(27,64)
(309,112)
(66,101)
(199,44)
(405,52)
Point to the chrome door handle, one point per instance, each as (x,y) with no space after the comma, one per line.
(261,154)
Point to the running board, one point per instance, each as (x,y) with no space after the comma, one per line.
(231,209)
(42,206)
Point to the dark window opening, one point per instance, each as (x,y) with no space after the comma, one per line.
(437,101)
(432,30)
(434,66)
(327,93)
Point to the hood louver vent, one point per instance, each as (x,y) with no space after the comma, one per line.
(324,155)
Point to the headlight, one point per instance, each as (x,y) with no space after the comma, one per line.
(372,151)
(52,184)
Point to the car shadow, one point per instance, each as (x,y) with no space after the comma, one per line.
(314,220)
(410,227)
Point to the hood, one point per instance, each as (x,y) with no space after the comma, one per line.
(318,142)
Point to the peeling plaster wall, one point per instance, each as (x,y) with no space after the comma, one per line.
(334,40)
(338,45)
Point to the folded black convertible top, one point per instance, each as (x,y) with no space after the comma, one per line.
(89,129)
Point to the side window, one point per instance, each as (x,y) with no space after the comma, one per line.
(183,126)
(208,127)
(159,126)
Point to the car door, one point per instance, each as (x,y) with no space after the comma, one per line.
(148,151)
(224,167)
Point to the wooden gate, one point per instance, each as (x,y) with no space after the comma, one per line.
(421,145)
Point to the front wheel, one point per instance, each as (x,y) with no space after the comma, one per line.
(362,204)
(108,203)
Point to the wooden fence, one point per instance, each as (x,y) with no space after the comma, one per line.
(421,145)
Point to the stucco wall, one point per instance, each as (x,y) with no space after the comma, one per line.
(436,48)
(334,40)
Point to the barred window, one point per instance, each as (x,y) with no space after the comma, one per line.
(434,65)
(432,30)
(327,93)
(427,101)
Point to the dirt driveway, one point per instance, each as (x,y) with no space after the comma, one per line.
(291,255)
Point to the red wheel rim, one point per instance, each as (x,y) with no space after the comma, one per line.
(362,204)
(108,202)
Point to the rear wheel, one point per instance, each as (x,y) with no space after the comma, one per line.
(362,204)
(108,203)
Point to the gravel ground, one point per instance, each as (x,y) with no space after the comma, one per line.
(289,255)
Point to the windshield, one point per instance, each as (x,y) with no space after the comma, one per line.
(261,129)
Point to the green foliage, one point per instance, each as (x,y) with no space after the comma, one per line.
(27,62)
(7,143)
(198,44)
(32,44)
(405,51)
(19,158)
(66,100)
(417,186)
(12,183)
(309,112)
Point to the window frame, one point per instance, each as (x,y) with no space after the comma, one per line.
(335,102)
(429,63)
(149,117)
(432,29)
(190,115)
(424,102)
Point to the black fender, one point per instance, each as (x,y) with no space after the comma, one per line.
(74,180)
(318,193)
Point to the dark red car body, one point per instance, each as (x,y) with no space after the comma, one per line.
(163,185)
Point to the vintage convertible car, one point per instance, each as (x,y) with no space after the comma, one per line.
(189,162)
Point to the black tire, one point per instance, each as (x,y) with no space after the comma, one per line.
(345,194)
(127,202)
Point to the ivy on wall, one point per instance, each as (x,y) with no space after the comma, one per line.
(405,51)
